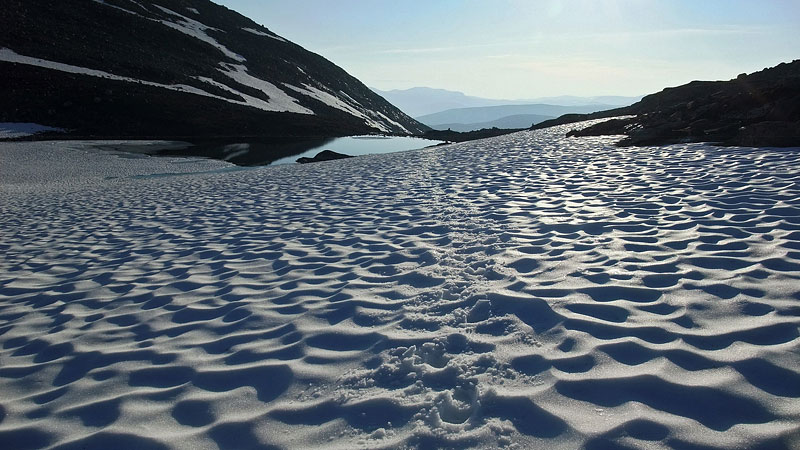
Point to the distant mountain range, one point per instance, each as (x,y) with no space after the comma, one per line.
(516,121)
(156,68)
(571,100)
(423,101)
(441,109)
(420,101)
(504,116)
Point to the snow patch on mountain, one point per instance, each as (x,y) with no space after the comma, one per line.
(102,2)
(197,30)
(261,33)
(11,56)
(278,99)
(393,122)
(336,102)
(185,25)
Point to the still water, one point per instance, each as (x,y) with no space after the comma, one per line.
(259,153)
(364,145)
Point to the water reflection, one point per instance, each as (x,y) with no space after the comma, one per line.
(286,151)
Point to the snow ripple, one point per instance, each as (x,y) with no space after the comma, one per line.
(527,290)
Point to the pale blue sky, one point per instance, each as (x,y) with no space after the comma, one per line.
(519,49)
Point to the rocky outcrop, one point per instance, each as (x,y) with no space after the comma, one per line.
(760,109)
(325,155)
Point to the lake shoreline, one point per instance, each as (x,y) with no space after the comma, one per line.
(243,151)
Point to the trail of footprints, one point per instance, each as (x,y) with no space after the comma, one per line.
(527,290)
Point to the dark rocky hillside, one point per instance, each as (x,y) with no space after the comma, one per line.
(157,68)
(760,109)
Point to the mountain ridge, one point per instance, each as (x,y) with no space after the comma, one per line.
(422,101)
(477,115)
(173,68)
(753,110)
(517,121)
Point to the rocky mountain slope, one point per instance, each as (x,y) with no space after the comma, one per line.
(174,68)
(760,109)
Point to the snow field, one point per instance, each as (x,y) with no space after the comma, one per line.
(525,291)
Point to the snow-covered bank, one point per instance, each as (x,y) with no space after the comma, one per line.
(14,130)
(527,290)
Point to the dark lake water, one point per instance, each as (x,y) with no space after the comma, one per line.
(259,153)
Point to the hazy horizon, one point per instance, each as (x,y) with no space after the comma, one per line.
(516,100)
(514,49)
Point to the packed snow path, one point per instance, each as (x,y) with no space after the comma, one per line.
(527,291)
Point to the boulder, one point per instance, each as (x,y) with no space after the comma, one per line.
(325,155)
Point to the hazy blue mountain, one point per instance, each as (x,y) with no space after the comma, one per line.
(492,113)
(571,100)
(422,101)
(508,122)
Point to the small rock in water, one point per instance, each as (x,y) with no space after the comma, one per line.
(325,155)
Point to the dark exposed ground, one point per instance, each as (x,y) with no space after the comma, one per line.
(758,110)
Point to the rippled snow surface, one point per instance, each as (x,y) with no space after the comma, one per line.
(526,291)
